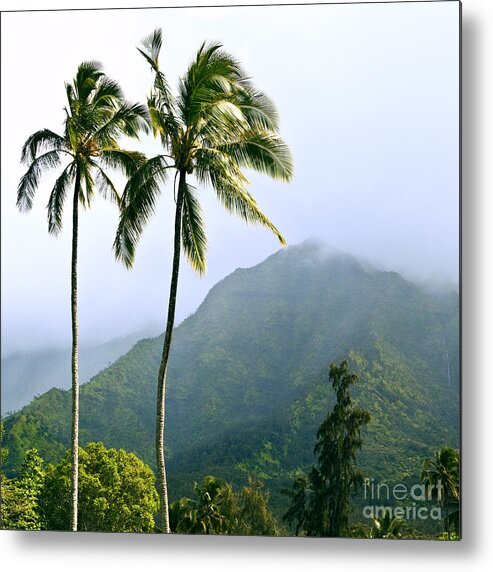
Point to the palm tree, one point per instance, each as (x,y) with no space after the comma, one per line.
(96,116)
(442,471)
(211,512)
(216,125)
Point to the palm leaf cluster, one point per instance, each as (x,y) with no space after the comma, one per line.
(216,125)
(96,116)
(209,513)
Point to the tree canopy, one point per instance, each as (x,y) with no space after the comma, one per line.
(116,492)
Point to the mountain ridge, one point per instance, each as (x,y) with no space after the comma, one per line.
(248,376)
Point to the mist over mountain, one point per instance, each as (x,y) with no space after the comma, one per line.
(248,383)
(26,374)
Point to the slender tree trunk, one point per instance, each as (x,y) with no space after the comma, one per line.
(163,369)
(75,360)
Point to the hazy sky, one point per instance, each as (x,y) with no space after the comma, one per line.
(368,99)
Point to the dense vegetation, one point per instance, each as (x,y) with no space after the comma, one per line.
(217,509)
(248,397)
(19,498)
(116,493)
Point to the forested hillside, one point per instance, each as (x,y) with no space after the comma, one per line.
(248,377)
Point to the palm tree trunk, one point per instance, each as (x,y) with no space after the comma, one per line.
(75,360)
(163,369)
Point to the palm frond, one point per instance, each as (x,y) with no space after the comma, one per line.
(88,74)
(210,161)
(241,202)
(128,162)
(137,206)
(107,92)
(125,242)
(163,121)
(40,142)
(151,48)
(30,180)
(258,109)
(262,151)
(129,119)
(212,73)
(87,184)
(194,239)
(57,199)
(71,98)
(163,92)
(151,45)
(236,199)
(224,121)
(105,186)
(135,117)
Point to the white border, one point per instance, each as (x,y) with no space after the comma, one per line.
(82,552)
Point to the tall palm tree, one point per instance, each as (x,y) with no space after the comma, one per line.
(216,125)
(95,117)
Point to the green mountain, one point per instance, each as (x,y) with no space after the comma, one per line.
(248,383)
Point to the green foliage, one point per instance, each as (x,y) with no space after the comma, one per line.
(212,511)
(116,492)
(443,471)
(302,507)
(449,536)
(20,496)
(217,509)
(387,527)
(443,468)
(4,452)
(264,464)
(320,504)
(255,517)
(339,439)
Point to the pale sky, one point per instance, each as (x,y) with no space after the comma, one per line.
(368,100)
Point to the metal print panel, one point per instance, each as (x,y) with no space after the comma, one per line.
(230,270)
